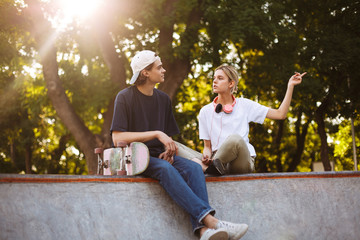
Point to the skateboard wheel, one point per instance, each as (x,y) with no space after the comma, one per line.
(106,163)
(121,144)
(98,150)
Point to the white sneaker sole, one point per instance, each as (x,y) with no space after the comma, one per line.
(218,234)
(240,234)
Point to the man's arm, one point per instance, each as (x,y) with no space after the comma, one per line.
(281,112)
(169,144)
(134,136)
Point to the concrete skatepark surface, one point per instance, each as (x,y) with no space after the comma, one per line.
(275,206)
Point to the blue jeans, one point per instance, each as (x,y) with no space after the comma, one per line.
(184,181)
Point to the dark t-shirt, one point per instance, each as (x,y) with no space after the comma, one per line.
(136,112)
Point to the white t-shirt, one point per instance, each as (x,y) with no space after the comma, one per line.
(218,126)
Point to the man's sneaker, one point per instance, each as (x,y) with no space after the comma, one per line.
(235,231)
(215,234)
(219,166)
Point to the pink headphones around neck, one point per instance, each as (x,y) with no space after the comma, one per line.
(228,108)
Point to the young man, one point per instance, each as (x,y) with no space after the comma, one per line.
(144,114)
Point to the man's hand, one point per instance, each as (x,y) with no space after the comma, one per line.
(169,144)
(170,147)
(167,157)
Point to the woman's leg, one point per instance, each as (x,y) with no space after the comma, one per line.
(188,153)
(235,153)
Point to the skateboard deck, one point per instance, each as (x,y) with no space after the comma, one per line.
(130,159)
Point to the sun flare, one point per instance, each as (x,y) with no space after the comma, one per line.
(79,8)
(71,11)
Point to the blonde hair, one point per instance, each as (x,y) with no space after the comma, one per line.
(232,74)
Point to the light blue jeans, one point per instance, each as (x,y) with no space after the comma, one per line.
(184,181)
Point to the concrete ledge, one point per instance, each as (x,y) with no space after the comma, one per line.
(28,178)
(275,205)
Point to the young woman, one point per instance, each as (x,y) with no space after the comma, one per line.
(224,125)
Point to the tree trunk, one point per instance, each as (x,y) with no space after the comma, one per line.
(117,71)
(86,140)
(56,154)
(320,120)
(45,38)
(300,142)
(105,138)
(28,156)
(261,165)
(12,153)
(178,67)
(276,145)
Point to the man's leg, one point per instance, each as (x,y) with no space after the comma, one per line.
(235,153)
(193,176)
(184,181)
(197,183)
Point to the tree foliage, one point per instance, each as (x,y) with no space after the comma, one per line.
(58,81)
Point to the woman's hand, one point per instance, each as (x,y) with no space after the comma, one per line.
(206,158)
(296,79)
(280,113)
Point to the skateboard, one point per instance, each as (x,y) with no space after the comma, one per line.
(124,159)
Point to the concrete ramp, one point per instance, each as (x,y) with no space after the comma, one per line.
(281,206)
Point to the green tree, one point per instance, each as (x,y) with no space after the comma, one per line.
(67,104)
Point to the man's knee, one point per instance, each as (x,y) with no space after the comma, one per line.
(166,171)
(158,168)
(188,164)
(195,167)
(194,172)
